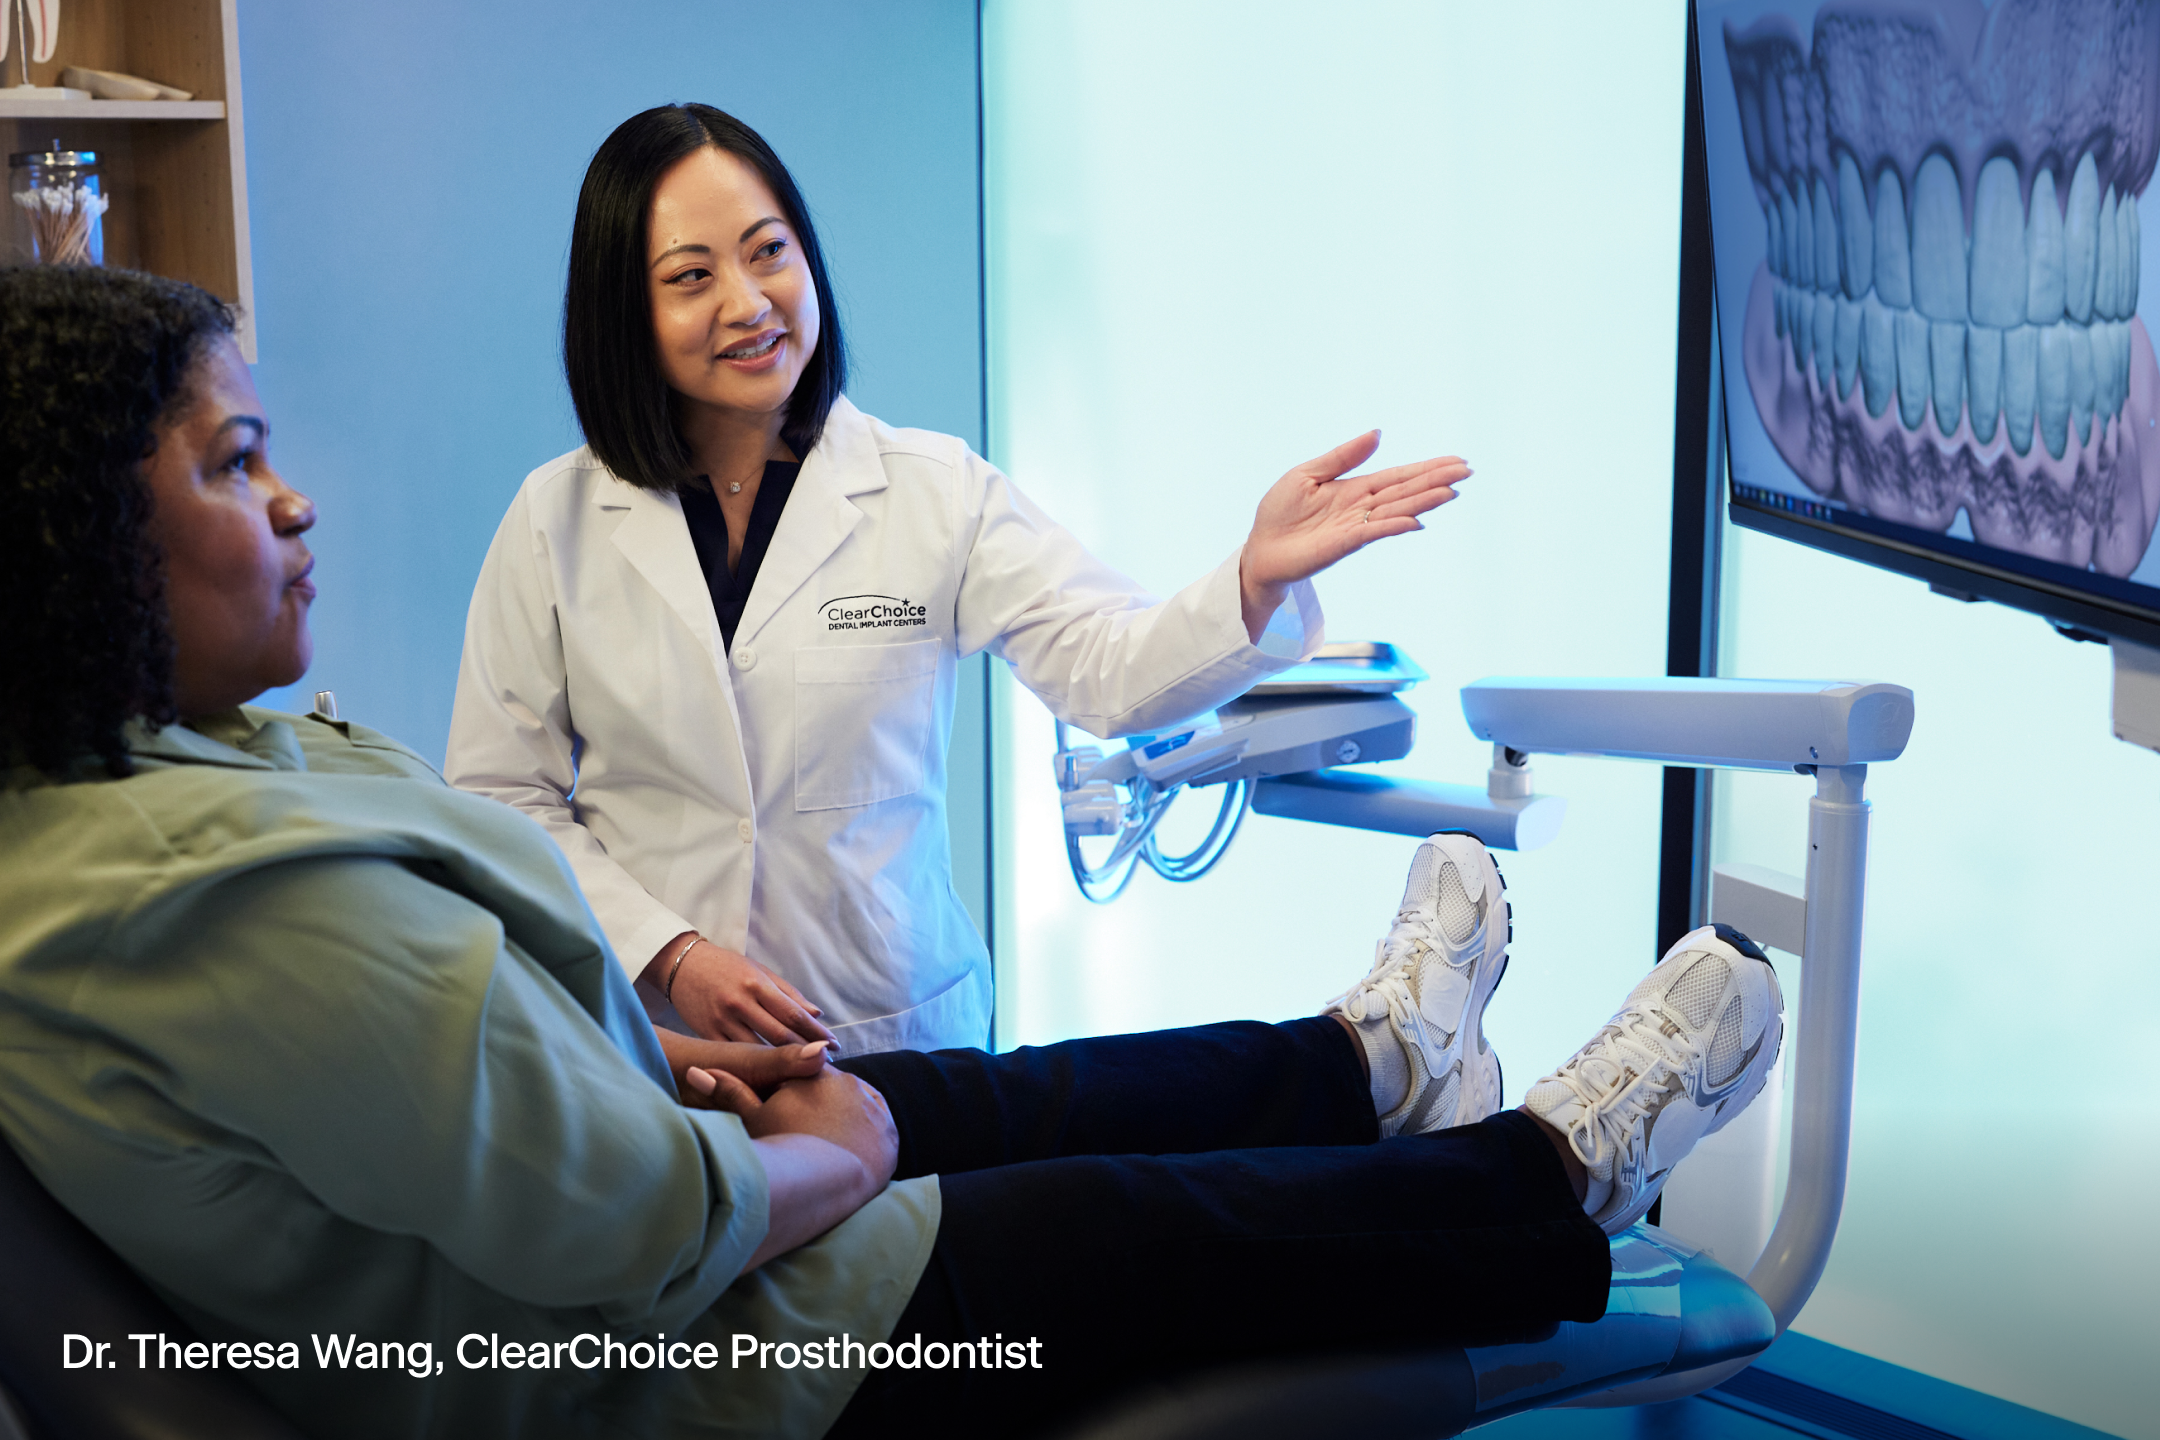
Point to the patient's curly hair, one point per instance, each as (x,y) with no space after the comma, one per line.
(91,362)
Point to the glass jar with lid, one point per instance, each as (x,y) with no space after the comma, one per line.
(55,208)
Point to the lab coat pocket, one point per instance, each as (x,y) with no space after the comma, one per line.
(862,722)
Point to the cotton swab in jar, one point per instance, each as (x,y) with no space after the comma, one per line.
(60,220)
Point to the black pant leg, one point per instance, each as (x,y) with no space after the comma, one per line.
(1237,1085)
(1124,1270)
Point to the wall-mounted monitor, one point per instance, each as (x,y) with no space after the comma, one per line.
(1934,243)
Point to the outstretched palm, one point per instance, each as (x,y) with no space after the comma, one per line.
(1318,513)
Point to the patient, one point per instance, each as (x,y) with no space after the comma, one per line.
(326,1050)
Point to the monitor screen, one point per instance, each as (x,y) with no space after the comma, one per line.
(1929,221)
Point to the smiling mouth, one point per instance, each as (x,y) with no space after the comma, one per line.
(756,349)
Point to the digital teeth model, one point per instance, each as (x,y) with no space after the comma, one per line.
(1946,317)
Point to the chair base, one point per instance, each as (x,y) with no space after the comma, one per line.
(1671,1310)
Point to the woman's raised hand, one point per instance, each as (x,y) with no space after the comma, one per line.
(725,995)
(1319,512)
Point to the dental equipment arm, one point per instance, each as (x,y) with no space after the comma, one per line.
(1275,751)
(1732,724)
(1271,731)
(1283,748)
(1412,807)
(2137,694)
(1833,730)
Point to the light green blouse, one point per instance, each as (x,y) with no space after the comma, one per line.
(325,1048)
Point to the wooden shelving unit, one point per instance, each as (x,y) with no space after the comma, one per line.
(175,170)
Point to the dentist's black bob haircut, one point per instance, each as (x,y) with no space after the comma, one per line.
(610,356)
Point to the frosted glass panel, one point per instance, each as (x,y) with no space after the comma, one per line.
(1997,1229)
(1222,238)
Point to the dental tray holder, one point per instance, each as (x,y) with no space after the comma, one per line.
(1506,814)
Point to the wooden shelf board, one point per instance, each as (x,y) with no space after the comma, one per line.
(178,191)
(110,109)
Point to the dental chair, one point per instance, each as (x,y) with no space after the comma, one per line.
(57,1279)
(1676,1322)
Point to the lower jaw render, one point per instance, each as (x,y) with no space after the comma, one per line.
(1946,317)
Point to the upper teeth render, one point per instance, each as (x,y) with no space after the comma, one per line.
(1949,198)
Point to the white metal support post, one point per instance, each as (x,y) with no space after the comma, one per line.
(1827,1043)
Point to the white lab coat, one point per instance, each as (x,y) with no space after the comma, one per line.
(788,800)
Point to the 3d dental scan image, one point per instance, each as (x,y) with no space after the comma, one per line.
(1930,242)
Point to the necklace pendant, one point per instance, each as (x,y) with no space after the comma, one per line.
(734,487)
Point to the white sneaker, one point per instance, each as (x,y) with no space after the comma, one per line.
(1424,999)
(1688,1051)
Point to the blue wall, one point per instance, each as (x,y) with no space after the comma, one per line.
(412,169)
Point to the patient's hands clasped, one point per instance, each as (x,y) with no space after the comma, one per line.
(831,1105)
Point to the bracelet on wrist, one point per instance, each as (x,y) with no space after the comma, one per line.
(667,991)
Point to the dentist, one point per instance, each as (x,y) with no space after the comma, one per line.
(714,650)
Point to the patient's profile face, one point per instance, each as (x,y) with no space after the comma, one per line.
(236,568)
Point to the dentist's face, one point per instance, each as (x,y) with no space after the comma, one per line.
(734,310)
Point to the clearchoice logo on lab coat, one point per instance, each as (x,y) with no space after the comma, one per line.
(872,612)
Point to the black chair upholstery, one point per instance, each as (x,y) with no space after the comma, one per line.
(57,1278)
(1673,1310)
(1425,1396)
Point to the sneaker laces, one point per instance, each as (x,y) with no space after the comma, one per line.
(1387,985)
(1385,988)
(1413,934)
(1625,1074)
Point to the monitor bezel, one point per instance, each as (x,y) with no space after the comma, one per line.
(2060,605)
